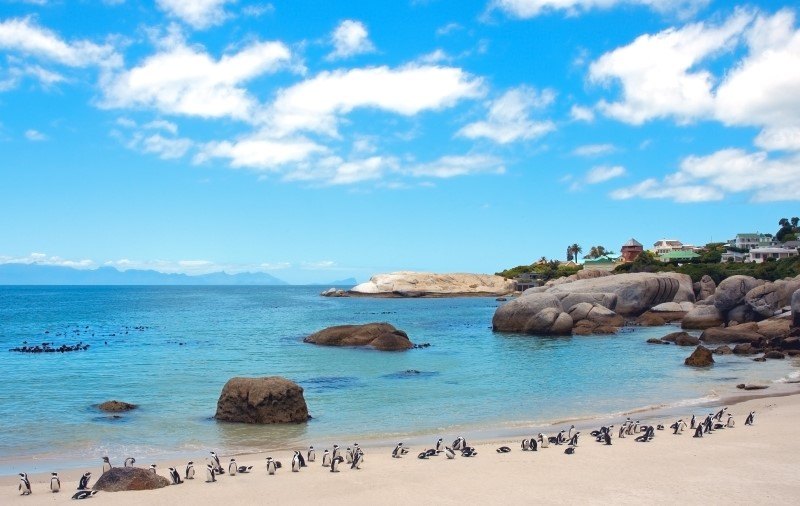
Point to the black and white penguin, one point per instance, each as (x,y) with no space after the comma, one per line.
(335,464)
(503,449)
(622,429)
(175,476)
(358,459)
(569,433)
(84,494)
(398,451)
(272,467)
(570,450)
(232,467)
(544,440)
(439,446)
(422,455)
(245,469)
(607,438)
(211,475)
(533,445)
(469,452)
(190,470)
(460,443)
(129,462)
(296,462)
(692,422)
(326,458)
(730,423)
(83,484)
(719,414)
(525,445)
(24,484)
(302,459)
(348,455)
(560,439)
(750,418)
(55,483)
(449,453)
(106,465)
(573,441)
(311,456)
(356,448)
(698,431)
(153,468)
(217,466)
(336,451)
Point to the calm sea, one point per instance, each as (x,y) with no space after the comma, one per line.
(171,349)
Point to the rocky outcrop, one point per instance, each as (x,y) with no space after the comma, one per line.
(262,400)
(723,350)
(768,299)
(635,293)
(533,313)
(731,335)
(426,284)
(116,406)
(667,312)
(119,479)
(687,340)
(707,287)
(796,309)
(381,336)
(741,313)
(594,319)
(700,357)
(333,292)
(731,291)
(774,328)
(703,317)
(607,300)
(650,319)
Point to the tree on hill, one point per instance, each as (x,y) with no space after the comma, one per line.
(789,229)
(569,254)
(576,249)
(598,251)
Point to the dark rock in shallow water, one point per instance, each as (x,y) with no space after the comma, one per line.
(262,400)
(656,341)
(742,386)
(774,355)
(119,479)
(700,357)
(723,350)
(381,336)
(116,406)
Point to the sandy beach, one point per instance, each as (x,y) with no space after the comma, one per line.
(743,465)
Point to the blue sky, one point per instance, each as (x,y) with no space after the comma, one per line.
(321,140)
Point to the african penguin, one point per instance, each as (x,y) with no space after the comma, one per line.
(326,458)
(55,483)
(750,418)
(358,459)
(129,462)
(84,494)
(449,453)
(190,470)
(296,463)
(210,474)
(272,467)
(311,456)
(24,484)
(83,484)
(106,465)
(232,467)
(175,476)
(335,464)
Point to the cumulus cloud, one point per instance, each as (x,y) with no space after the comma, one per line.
(509,117)
(592,150)
(452,166)
(186,80)
(196,13)
(531,8)
(604,173)
(350,38)
(261,152)
(580,113)
(315,104)
(35,135)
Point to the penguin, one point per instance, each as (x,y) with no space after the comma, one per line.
(698,432)
(544,440)
(750,418)
(190,470)
(356,448)
(460,443)
(326,458)
(245,469)
(335,464)
(730,423)
(272,467)
(525,445)
(607,439)
(449,453)
(210,474)
(84,494)
(296,463)
(622,429)
(348,455)
(24,484)
(469,452)
(503,449)
(336,451)
(83,484)
(106,465)
(422,455)
(129,462)
(692,422)
(569,434)
(301,459)
(358,459)
(570,450)
(560,440)
(430,452)
(532,445)
(398,451)
(681,426)
(55,483)
(659,427)
(573,441)
(153,468)
(676,426)
(719,414)
(217,466)
(175,476)
(439,445)
(708,423)
(311,456)
(232,467)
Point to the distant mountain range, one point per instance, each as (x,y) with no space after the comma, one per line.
(35,274)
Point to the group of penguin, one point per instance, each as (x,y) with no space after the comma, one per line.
(355,455)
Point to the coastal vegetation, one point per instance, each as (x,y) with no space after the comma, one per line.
(544,270)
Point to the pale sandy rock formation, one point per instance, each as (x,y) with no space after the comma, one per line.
(426,284)
(703,317)
(731,291)
(707,287)
(768,299)
(535,313)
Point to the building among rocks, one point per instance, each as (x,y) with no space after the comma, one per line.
(631,250)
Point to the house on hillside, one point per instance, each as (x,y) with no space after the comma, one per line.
(665,246)
(603,263)
(631,250)
(749,241)
(733,256)
(678,256)
(759,255)
(527,280)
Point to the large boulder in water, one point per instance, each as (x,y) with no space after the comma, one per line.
(381,336)
(119,479)
(262,400)
(533,313)
(116,406)
(700,357)
(703,317)
(731,291)
(635,292)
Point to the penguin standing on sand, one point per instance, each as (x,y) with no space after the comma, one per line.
(83,484)
(533,445)
(24,484)
(348,455)
(129,462)
(719,414)
(698,432)
(560,438)
(311,456)
(460,443)
(622,429)
(336,451)
(84,494)
(449,453)
(326,458)
(358,459)
(573,441)
(730,423)
(301,459)
(232,467)
(569,434)
(692,422)
(335,464)
(190,470)
(272,467)
(175,476)
(55,483)
(544,440)
(525,445)
(217,466)
(211,476)
(398,451)
(439,446)
(106,465)
(750,418)
(296,462)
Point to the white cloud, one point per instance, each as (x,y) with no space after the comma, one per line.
(161,124)
(186,80)
(434,57)
(604,173)
(531,8)
(580,113)
(35,135)
(779,139)
(19,70)
(448,28)
(24,36)
(261,152)
(258,10)
(509,120)
(727,171)
(350,38)
(452,166)
(166,148)
(658,73)
(591,150)
(315,104)
(44,259)
(197,13)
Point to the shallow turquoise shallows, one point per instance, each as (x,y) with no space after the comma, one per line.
(191,340)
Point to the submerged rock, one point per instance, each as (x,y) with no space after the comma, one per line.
(119,479)
(116,406)
(381,336)
(700,357)
(266,400)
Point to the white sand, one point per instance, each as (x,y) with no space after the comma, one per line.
(743,465)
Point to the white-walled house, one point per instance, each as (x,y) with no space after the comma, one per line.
(759,255)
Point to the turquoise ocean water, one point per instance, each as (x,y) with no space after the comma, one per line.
(171,349)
